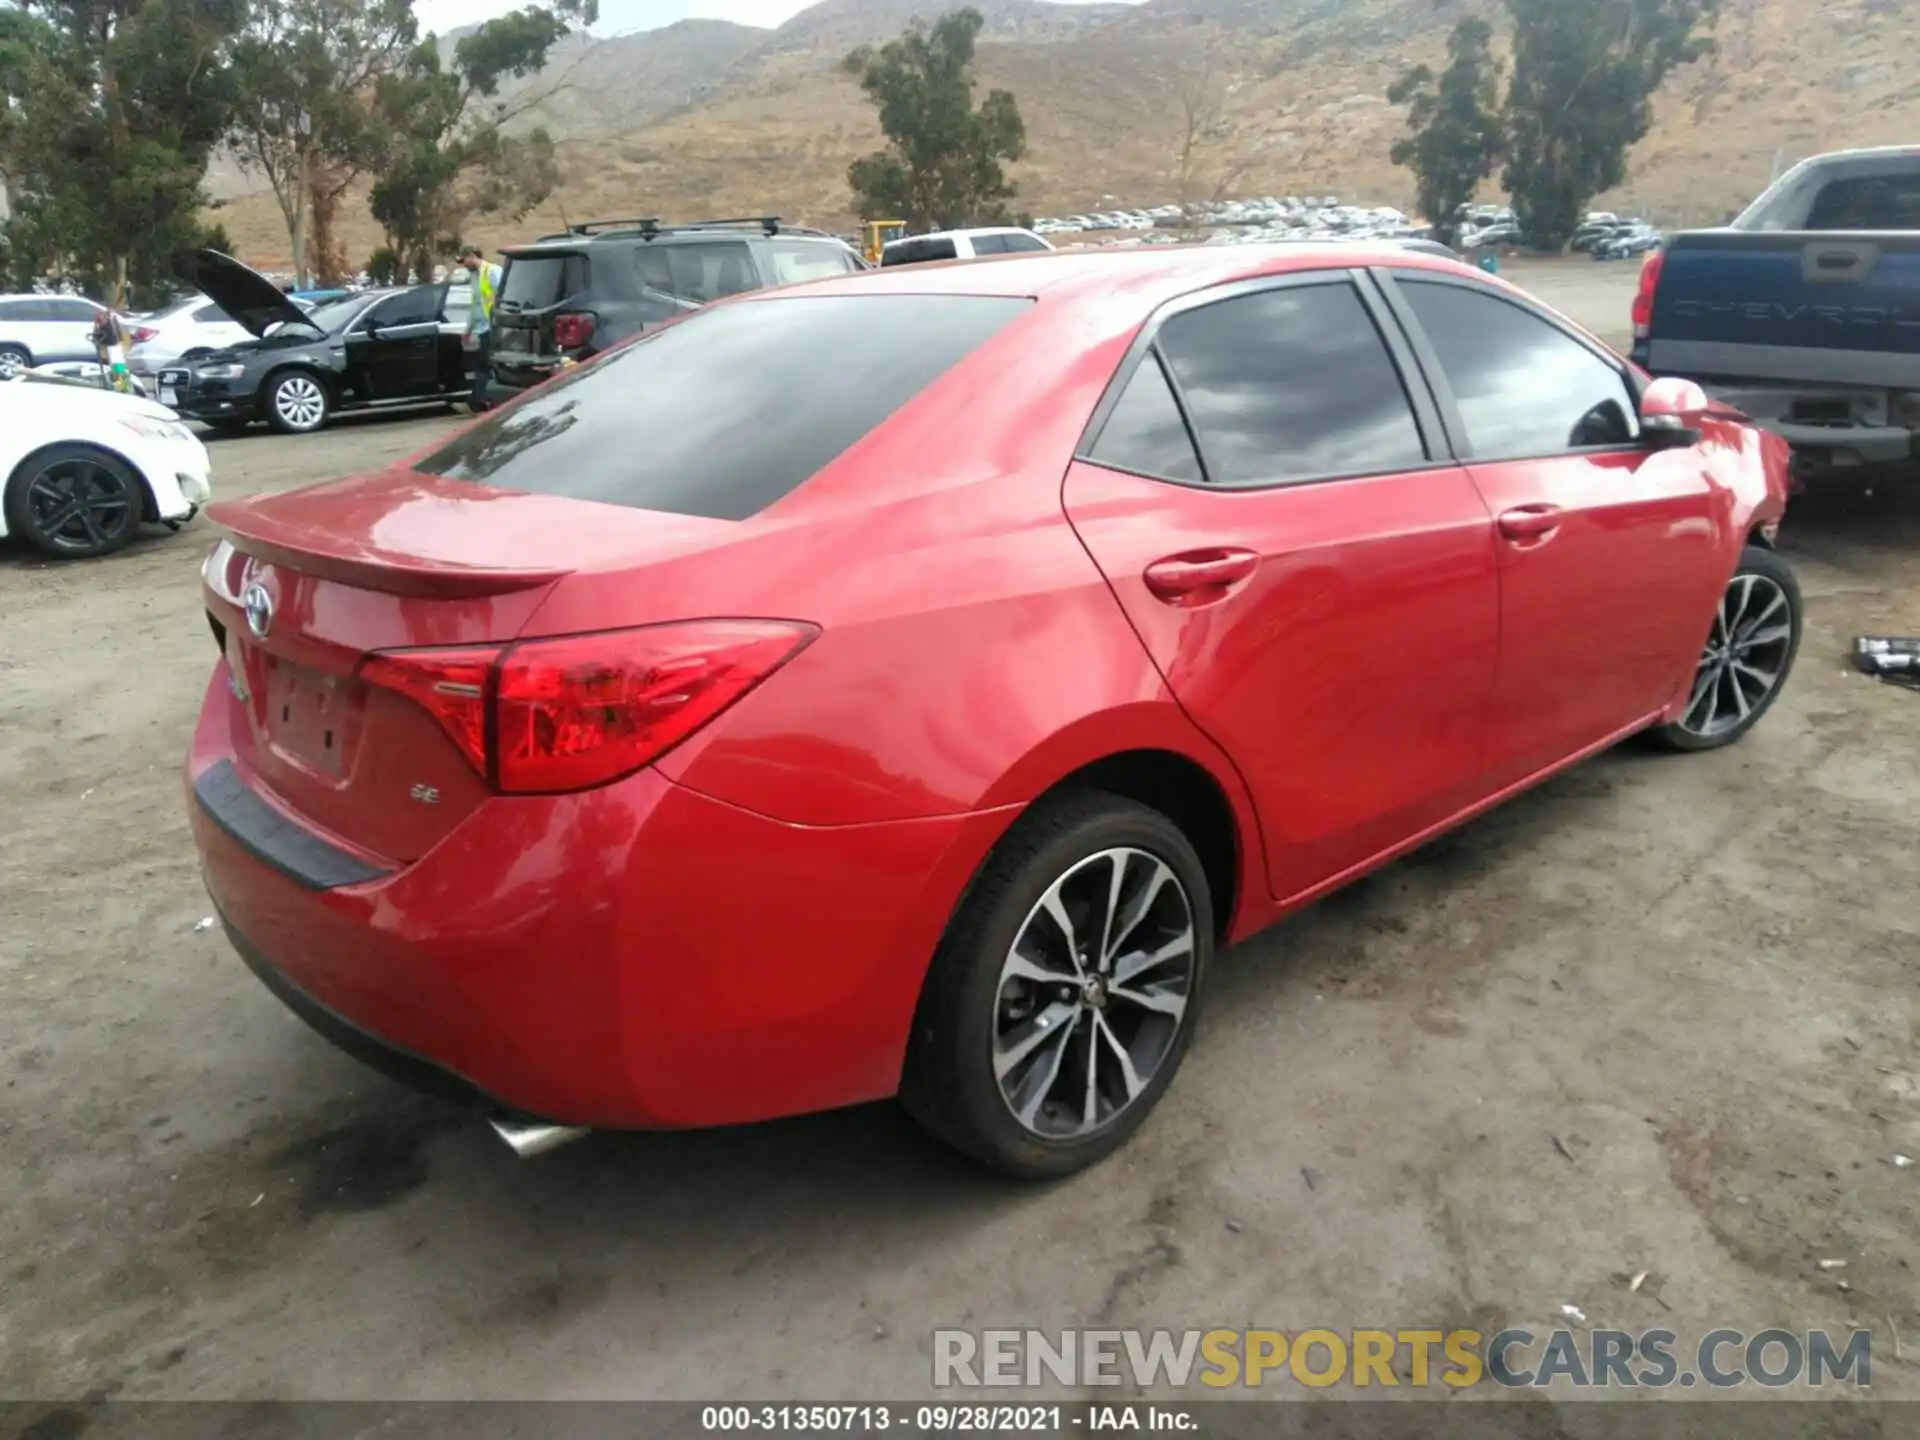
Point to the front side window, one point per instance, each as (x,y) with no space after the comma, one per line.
(728,410)
(989,244)
(1291,384)
(1524,387)
(1021,244)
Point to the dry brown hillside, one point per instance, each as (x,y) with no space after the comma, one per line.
(725,120)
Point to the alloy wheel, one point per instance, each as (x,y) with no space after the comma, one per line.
(299,402)
(12,363)
(1093,993)
(79,507)
(1746,656)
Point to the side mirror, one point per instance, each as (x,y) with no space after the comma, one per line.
(1672,413)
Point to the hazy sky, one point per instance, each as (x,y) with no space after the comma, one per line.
(617,17)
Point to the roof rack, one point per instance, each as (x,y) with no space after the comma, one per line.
(768,223)
(645,223)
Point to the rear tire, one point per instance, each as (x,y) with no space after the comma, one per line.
(1748,656)
(72,502)
(1039,1049)
(297,402)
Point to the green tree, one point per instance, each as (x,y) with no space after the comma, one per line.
(305,71)
(109,110)
(1583,80)
(1456,132)
(941,168)
(449,156)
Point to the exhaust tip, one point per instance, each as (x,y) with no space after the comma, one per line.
(528,1138)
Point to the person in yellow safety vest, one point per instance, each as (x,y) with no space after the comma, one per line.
(478,340)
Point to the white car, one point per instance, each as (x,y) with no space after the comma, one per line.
(38,329)
(960,245)
(82,467)
(188,327)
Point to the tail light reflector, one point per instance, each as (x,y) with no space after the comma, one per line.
(1650,270)
(570,332)
(141,334)
(550,716)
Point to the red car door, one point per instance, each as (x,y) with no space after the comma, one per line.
(1316,580)
(1610,549)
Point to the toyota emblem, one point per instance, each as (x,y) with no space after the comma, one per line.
(259,607)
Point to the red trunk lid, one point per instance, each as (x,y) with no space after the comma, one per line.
(388,562)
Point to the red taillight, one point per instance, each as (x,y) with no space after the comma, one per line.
(1656,261)
(582,710)
(570,332)
(141,335)
(451,685)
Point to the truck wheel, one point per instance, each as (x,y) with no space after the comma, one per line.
(1749,654)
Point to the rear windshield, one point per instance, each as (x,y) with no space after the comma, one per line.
(728,410)
(533,282)
(917,251)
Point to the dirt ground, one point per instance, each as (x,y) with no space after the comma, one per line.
(1656,1016)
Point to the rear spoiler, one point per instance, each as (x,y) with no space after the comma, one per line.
(327,556)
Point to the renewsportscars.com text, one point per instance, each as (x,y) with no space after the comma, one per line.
(1456,1359)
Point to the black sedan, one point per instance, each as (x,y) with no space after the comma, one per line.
(376,349)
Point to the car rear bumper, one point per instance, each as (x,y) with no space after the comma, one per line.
(635,956)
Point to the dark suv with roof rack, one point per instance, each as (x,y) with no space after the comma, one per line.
(569,296)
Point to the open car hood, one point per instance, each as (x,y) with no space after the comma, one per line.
(252,300)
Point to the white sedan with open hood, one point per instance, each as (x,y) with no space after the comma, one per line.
(83,466)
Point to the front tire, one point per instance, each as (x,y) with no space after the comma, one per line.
(74,503)
(1064,995)
(297,403)
(14,361)
(1748,656)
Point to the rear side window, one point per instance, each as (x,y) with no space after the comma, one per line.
(71,312)
(730,409)
(988,244)
(534,282)
(1525,389)
(1020,244)
(919,250)
(1291,384)
(1145,433)
(1876,202)
(791,262)
(211,315)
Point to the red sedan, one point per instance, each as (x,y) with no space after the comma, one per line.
(903,684)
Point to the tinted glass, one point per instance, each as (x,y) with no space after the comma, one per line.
(728,410)
(30,312)
(1144,432)
(419,306)
(1291,384)
(534,282)
(13,310)
(71,312)
(1523,387)
(915,252)
(336,315)
(707,272)
(789,262)
(1890,202)
(210,315)
(989,244)
(1016,244)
